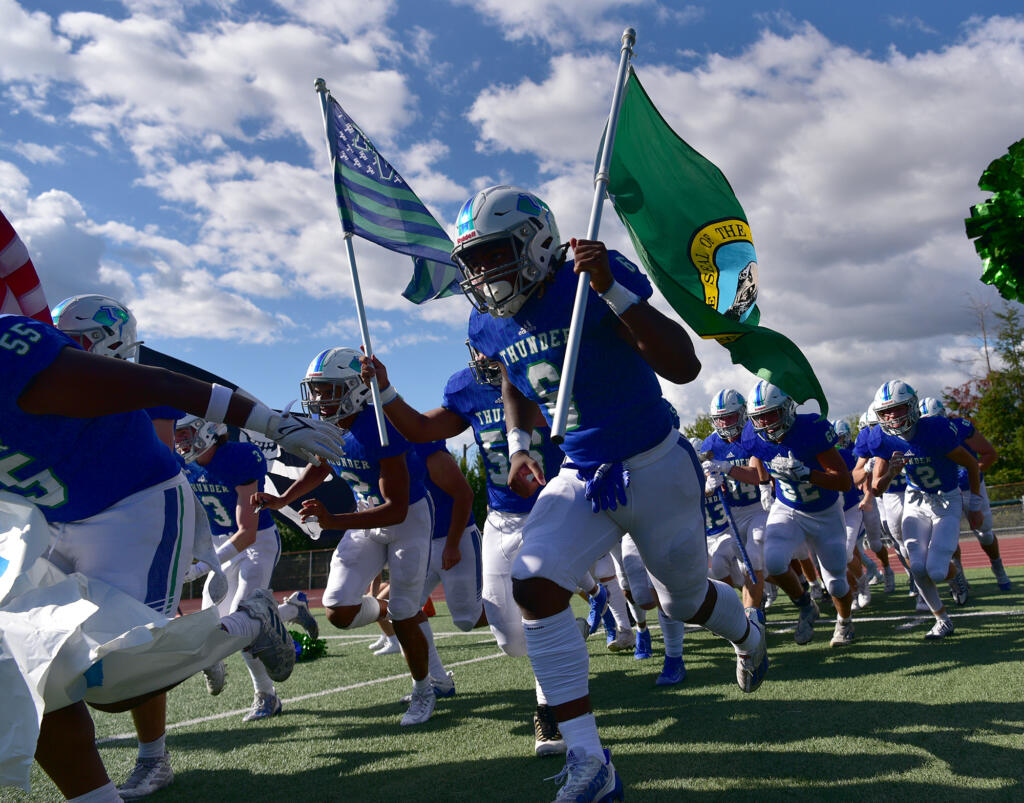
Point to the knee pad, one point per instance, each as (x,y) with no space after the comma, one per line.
(465,625)
(986,537)
(838,587)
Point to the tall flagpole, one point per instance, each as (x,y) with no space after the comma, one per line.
(572,346)
(320,86)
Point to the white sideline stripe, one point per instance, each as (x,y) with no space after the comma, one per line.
(363,684)
(225,714)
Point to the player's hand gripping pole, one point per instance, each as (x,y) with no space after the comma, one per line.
(572,346)
(736,537)
(378,409)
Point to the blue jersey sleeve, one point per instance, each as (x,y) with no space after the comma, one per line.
(167,413)
(243,463)
(455,391)
(27,347)
(629,275)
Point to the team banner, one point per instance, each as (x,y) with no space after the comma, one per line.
(692,236)
(20,290)
(376,203)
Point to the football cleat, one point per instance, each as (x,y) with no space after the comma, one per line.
(863,591)
(149,775)
(673,671)
(642,648)
(842,636)
(912,591)
(941,629)
(890,580)
(958,588)
(305,619)
(752,667)
(805,624)
(442,688)
(588,779)
(610,626)
(598,606)
(548,739)
(421,706)
(391,646)
(215,676)
(1002,579)
(264,706)
(771,592)
(622,640)
(816,592)
(380,642)
(273,646)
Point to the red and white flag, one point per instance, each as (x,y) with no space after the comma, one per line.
(20,290)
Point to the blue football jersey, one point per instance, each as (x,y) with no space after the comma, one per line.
(965,429)
(616,408)
(169,413)
(854,495)
(806,439)
(716,520)
(72,468)
(482,408)
(216,483)
(740,494)
(927,467)
(360,467)
(861,449)
(442,501)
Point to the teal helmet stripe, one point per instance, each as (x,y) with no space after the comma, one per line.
(318,367)
(759,393)
(720,402)
(886,393)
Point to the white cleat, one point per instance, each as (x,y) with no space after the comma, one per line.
(588,779)
(391,646)
(941,629)
(624,640)
(842,636)
(421,706)
(805,625)
(863,591)
(305,619)
(274,645)
(382,639)
(149,776)
(216,676)
(264,706)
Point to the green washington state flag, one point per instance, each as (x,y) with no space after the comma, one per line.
(692,237)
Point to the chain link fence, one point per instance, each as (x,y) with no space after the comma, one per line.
(294,571)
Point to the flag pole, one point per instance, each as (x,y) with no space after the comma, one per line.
(572,346)
(320,86)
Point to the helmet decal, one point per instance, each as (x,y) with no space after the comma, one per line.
(464,221)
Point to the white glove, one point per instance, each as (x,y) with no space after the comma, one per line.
(306,437)
(789,469)
(713,483)
(196,570)
(767,496)
(716,466)
(869,466)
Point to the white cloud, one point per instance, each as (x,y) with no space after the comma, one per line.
(558,23)
(855,172)
(39,154)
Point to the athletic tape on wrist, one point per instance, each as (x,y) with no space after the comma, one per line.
(619,298)
(226,552)
(388,395)
(217,407)
(259,418)
(518,441)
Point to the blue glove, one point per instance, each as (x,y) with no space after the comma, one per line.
(606,484)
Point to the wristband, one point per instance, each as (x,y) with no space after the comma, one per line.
(226,552)
(518,441)
(619,298)
(389,395)
(217,407)
(973,502)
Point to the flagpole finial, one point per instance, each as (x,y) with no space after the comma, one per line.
(320,85)
(628,38)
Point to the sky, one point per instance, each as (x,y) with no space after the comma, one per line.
(171,154)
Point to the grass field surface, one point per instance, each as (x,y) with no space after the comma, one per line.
(891,718)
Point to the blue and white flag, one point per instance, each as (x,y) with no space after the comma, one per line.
(376,203)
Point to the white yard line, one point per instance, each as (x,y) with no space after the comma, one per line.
(405,675)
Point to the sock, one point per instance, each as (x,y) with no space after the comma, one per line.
(558,656)
(803,600)
(102,794)
(240,623)
(436,668)
(153,749)
(639,614)
(287,612)
(997,565)
(541,699)
(617,604)
(845,621)
(727,618)
(580,734)
(261,681)
(421,686)
(672,631)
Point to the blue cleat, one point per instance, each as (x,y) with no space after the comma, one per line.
(642,649)
(673,671)
(589,779)
(598,606)
(304,618)
(752,667)
(264,706)
(610,627)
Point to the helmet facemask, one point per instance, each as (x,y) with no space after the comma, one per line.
(193,436)
(331,400)
(773,423)
(899,419)
(485,370)
(729,425)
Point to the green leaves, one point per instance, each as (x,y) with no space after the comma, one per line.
(997,225)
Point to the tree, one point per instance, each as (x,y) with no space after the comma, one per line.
(700,428)
(476,476)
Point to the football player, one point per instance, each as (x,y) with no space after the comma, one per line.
(798,450)
(118,505)
(985,453)
(391,524)
(472,399)
(854,517)
(515,274)
(929,450)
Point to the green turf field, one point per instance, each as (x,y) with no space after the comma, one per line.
(891,718)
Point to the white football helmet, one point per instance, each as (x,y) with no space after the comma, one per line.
(728,414)
(843,432)
(485,370)
(99,324)
(771,411)
(871,417)
(194,435)
(332,388)
(506,245)
(931,406)
(896,406)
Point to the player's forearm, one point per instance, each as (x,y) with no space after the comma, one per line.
(664,344)
(882,476)
(831,481)
(309,480)
(387,515)
(747,474)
